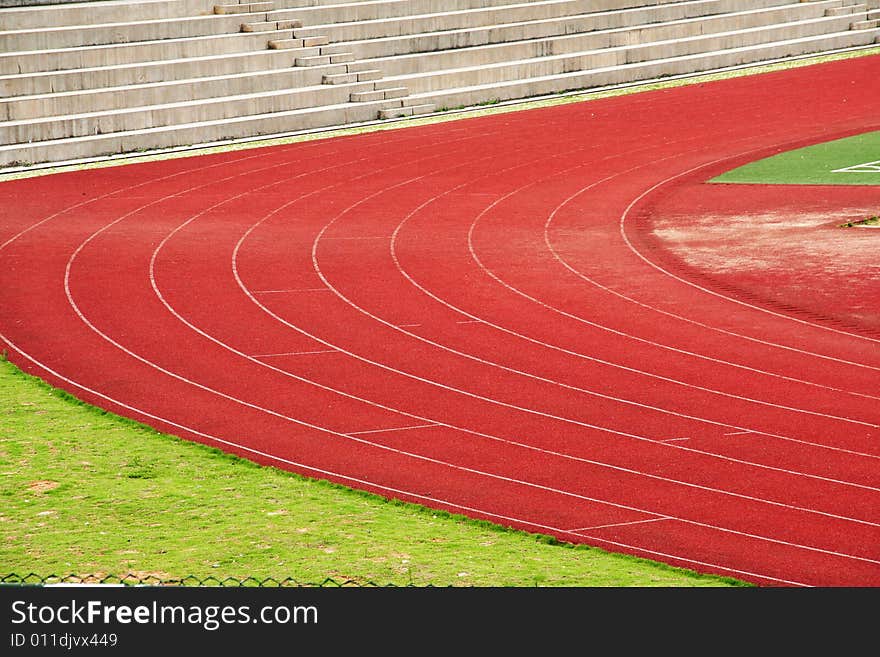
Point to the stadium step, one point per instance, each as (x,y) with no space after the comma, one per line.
(871,21)
(270,26)
(59,59)
(100,13)
(245,8)
(294,42)
(406,110)
(499,63)
(378,94)
(351,77)
(610,75)
(172,73)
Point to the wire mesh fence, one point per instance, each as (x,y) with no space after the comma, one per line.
(131,579)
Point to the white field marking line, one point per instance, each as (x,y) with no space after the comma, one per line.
(632,248)
(738,433)
(124,189)
(285,373)
(334,433)
(620,524)
(669,440)
(679,317)
(376,237)
(270,456)
(692,321)
(463,392)
(414,426)
(153,260)
(285,322)
(586,357)
(369,484)
(867,167)
(297,353)
(580,355)
(300,289)
(415,456)
(420,457)
(726,458)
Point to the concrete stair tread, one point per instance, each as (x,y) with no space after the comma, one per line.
(287,61)
(571,55)
(495,32)
(288,114)
(576,44)
(176,105)
(406,111)
(123,24)
(466,51)
(107,11)
(349,8)
(430,95)
(268,73)
(487,14)
(210,37)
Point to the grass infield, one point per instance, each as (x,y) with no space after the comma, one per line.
(88,493)
(851,161)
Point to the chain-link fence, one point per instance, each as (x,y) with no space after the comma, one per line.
(33,579)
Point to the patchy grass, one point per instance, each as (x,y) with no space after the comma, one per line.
(85,492)
(869,222)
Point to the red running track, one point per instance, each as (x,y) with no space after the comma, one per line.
(486,316)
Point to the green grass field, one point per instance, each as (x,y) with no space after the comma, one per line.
(850,161)
(87,493)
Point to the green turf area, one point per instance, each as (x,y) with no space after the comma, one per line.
(88,493)
(850,161)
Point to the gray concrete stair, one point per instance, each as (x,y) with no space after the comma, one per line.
(172,73)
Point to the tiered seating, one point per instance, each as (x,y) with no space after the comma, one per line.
(86,80)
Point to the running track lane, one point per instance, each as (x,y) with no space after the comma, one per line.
(476,316)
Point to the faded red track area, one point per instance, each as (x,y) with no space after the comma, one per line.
(480,316)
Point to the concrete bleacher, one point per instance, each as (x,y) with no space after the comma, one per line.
(91,79)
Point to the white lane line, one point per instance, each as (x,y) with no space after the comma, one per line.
(693,322)
(639,254)
(738,433)
(297,353)
(376,237)
(414,426)
(361,483)
(586,278)
(442,386)
(291,290)
(285,322)
(73,305)
(285,373)
(584,356)
(621,524)
(271,412)
(670,440)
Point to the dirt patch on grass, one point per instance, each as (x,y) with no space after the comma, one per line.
(779,245)
(43,486)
